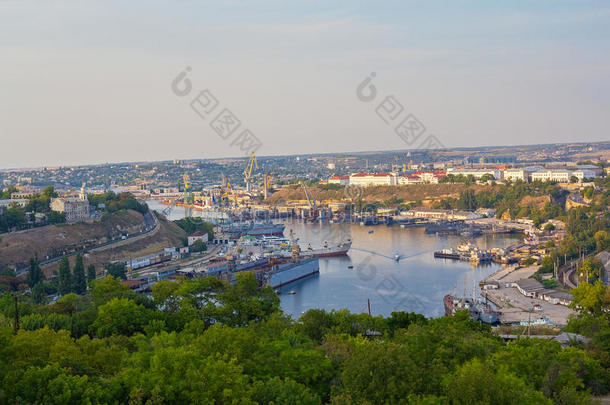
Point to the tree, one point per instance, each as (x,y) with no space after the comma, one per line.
(35,274)
(117,270)
(91,273)
(65,277)
(592,298)
(79,282)
(476,383)
(38,293)
(119,316)
(198,246)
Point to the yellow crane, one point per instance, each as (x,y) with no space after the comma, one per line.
(229,192)
(187,181)
(252,164)
(267,184)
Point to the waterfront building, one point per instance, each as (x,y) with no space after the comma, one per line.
(528,287)
(449,215)
(76,209)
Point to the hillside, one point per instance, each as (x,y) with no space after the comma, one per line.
(17,248)
(168,234)
(410,193)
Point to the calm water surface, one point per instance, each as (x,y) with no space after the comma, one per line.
(416,283)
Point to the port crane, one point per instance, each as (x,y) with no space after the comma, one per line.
(229,192)
(312,203)
(188,196)
(267,184)
(252,164)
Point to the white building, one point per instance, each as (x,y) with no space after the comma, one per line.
(76,209)
(408,179)
(372,179)
(476,173)
(558,175)
(202,236)
(342,180)
(582,174)
(432,177)
(515,174)
(5,204)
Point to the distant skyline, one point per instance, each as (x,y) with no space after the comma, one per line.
(87,82)
(337,153)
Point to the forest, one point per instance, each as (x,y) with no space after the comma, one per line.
(204,341)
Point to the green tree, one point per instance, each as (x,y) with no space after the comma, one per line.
(91,273)
(79,282)
(64,285)
(199,246)
(117,270)
(475,383)
(35,274)
(38,293)
(592,298)
(119,316)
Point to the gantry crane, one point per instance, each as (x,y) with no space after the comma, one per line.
(252,164)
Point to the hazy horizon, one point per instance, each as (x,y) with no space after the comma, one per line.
(90,83)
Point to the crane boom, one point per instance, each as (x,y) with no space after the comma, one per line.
(251,165)
(311,204)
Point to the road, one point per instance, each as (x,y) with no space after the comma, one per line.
(151,225)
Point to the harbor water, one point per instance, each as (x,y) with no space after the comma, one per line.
(417,282)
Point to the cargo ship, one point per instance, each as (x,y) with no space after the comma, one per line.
(328,251)
(478,310)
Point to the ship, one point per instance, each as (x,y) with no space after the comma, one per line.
(286,273)
(255,229)
(329,251)
(478,310)
(447,254)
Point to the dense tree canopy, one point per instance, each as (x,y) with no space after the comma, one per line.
(203,340)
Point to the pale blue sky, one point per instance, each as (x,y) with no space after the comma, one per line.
(89,82)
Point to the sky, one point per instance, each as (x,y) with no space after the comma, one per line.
(86,82)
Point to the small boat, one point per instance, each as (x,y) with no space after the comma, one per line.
(350,267)
(278,292)
(292,292)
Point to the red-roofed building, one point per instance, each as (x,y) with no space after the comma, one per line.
(408,179)
(342,180)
